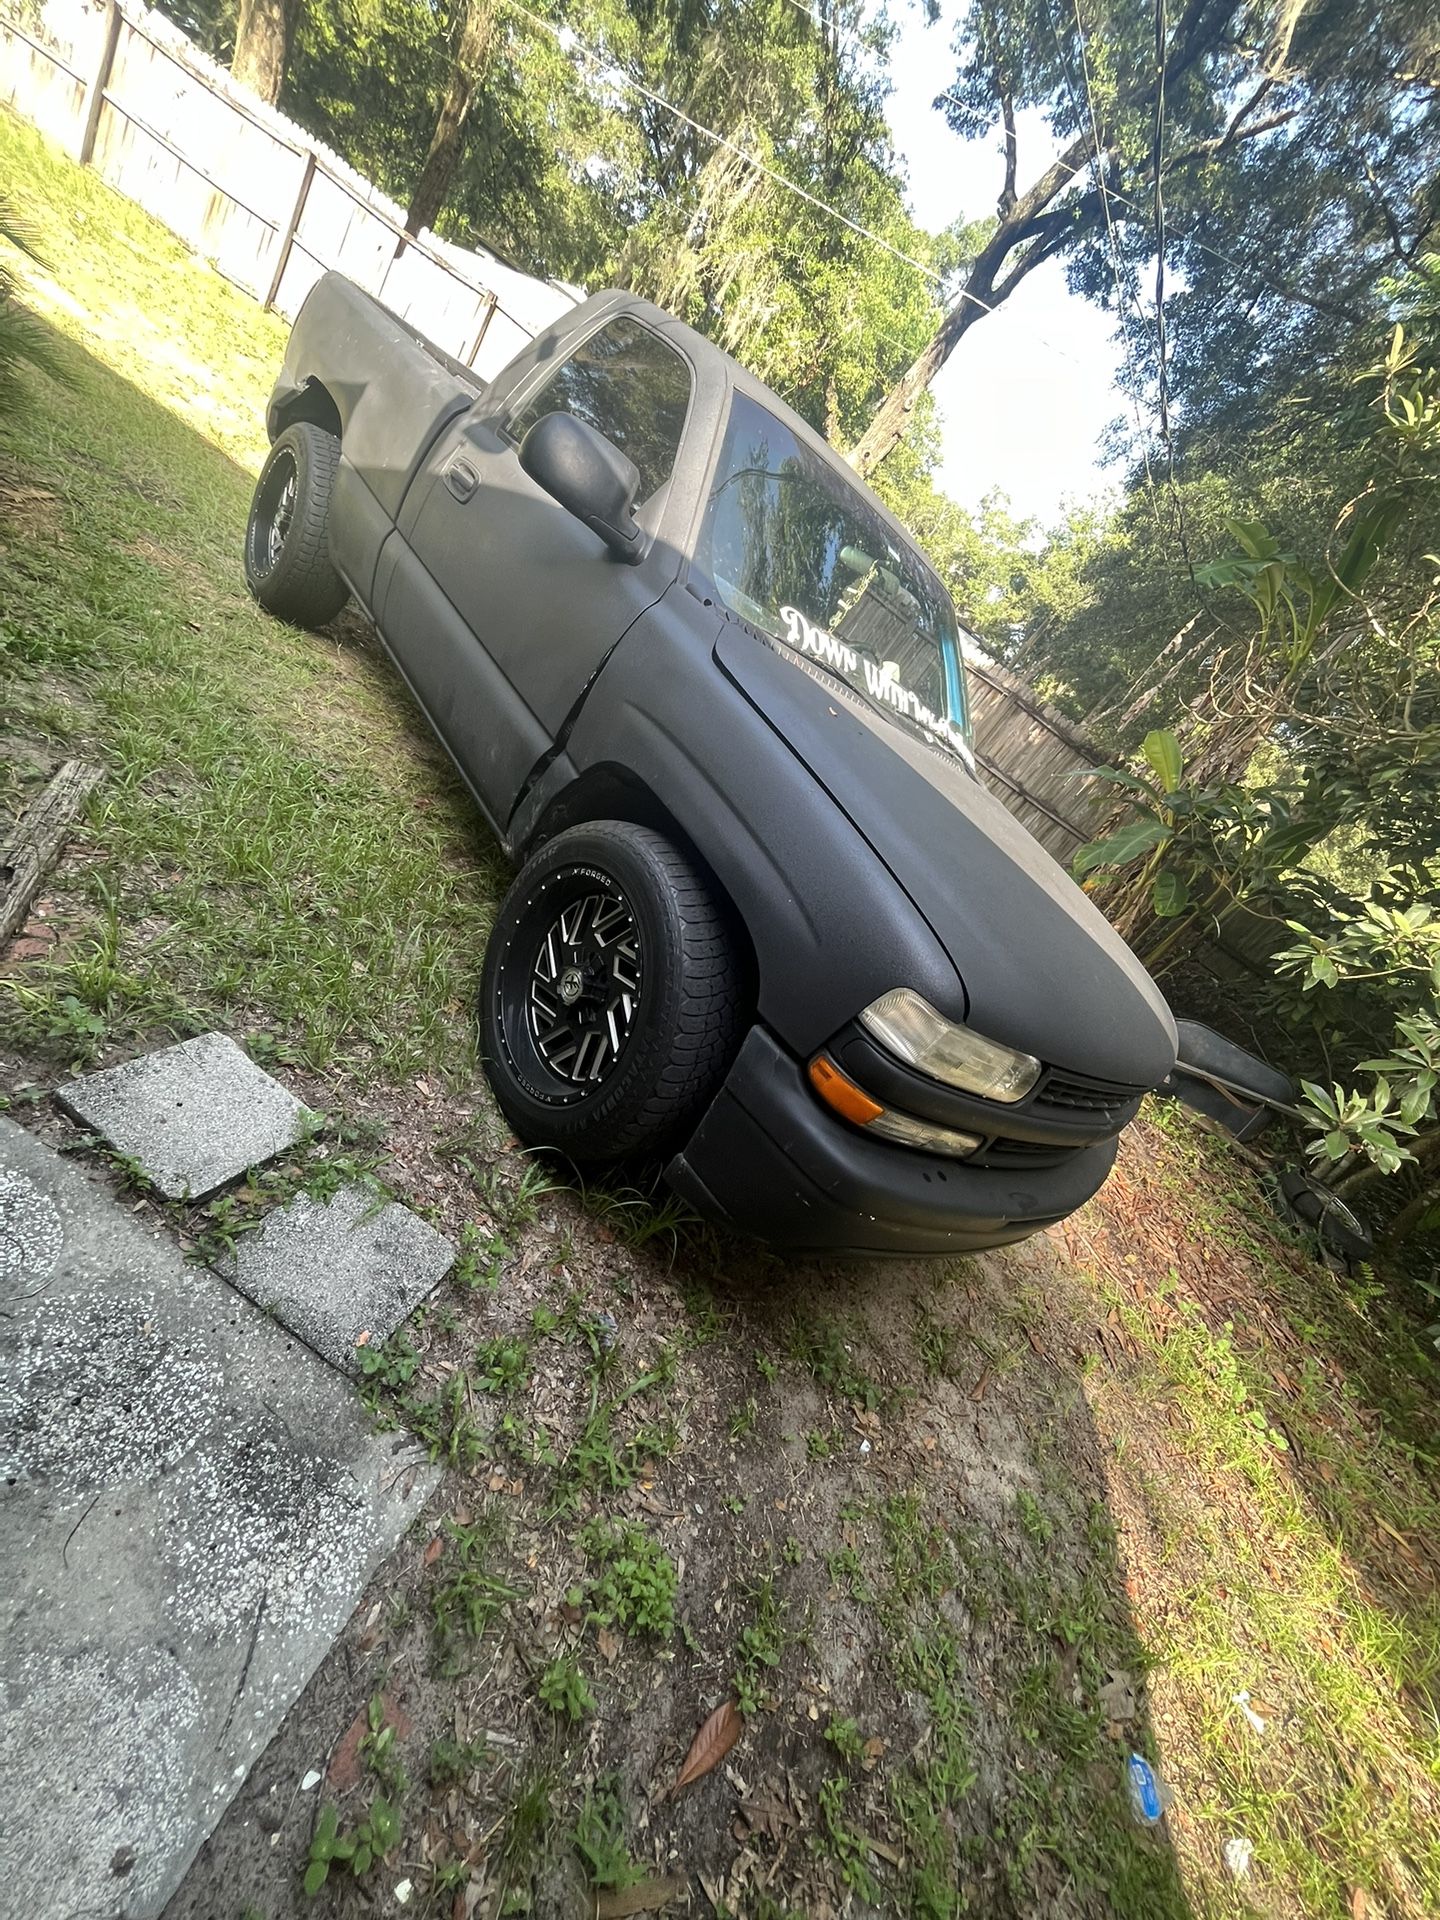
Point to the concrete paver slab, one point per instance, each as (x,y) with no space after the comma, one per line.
(190,1506)
(193,1115)
(334,1269)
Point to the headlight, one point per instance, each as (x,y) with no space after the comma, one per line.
(915,1033)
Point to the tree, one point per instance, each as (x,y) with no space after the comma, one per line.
(1101,101)
(473,49)
(262,45)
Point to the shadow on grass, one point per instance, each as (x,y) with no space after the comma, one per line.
(278,844)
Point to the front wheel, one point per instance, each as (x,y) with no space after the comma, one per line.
(287,552)
(610,998)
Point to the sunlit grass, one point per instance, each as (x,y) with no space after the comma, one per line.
(276,844)
(1296,1513)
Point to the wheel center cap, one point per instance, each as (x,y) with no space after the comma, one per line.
(572,985)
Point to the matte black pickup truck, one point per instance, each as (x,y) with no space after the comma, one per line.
(709,696)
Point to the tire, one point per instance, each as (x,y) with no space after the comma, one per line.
(287,554)
(607,935)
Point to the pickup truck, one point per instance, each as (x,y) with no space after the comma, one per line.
(768,927)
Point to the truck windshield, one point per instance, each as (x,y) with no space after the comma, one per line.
(804,558)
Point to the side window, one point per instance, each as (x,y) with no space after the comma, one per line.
(627,384)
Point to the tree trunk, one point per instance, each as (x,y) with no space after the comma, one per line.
(262,46)
(1049,218)
(892,417)
(447,143)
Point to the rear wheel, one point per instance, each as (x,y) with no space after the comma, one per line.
(610,1000)
(287,553)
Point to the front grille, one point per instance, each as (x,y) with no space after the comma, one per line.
(1069,1094)
(1021,1153)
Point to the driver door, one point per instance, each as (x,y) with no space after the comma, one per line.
(510,605)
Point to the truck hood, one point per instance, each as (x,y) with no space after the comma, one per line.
(1041,968)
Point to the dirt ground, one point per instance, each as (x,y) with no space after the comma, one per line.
(911,1513)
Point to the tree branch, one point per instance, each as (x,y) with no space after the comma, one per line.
(1243,113)
(1204,149)
(1007,114)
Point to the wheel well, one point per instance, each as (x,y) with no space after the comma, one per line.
(314,403)
(614,793)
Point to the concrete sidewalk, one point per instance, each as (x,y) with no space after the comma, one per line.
(192,1504)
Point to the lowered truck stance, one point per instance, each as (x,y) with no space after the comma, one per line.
(709,696)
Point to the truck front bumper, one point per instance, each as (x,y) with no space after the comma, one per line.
(768,1159)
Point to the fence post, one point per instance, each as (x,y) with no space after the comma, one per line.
(487,314)
(287,237)
(100,79)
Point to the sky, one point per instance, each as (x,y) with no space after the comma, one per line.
(1028,391)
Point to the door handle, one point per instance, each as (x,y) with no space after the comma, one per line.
(461,478)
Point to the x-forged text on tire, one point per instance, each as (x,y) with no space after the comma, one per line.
(711,699)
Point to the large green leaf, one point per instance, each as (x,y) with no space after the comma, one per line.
(1162,751)
(1118,849)
(1171,895)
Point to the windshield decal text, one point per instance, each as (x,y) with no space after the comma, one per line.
(882,682)
(806,637)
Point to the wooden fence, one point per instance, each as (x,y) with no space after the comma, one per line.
(1036,761)
(1032,758)
(126,92)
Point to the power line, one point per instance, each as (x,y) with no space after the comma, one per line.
(570,43)
(1121,287)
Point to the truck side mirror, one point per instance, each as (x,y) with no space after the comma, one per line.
(589,476)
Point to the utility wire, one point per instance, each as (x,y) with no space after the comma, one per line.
(1122,288)
(570,43)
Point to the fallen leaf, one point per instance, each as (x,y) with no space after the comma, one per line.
(716,1737)
(872,1752)
(433,1551)
(1359,1904)
(608,1642)
(766,1814)
(646,1896)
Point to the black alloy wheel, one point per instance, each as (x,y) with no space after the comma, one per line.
(585,983)
(287,549)
(610,997)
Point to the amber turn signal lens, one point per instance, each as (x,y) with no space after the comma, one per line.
(842,1094)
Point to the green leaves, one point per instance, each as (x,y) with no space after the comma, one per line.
(370,1841)
(1162,752)
(1121,848)
(1170,895)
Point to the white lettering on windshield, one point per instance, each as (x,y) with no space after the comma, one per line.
(882,683)
(806,637)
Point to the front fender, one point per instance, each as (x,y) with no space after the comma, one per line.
(830,927)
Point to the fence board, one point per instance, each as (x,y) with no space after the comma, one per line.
(243,185)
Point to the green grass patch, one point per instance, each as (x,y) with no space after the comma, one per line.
(276,846)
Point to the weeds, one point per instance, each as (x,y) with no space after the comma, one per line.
(600,1839)
(467,1604)
(761,1647)
(564,1689)
(357,1849)
(635,1582)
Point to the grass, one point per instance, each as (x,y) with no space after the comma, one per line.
(276,846)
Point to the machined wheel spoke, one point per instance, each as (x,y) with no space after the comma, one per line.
(585,987)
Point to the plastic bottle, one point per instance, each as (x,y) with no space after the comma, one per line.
(1147,1801)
